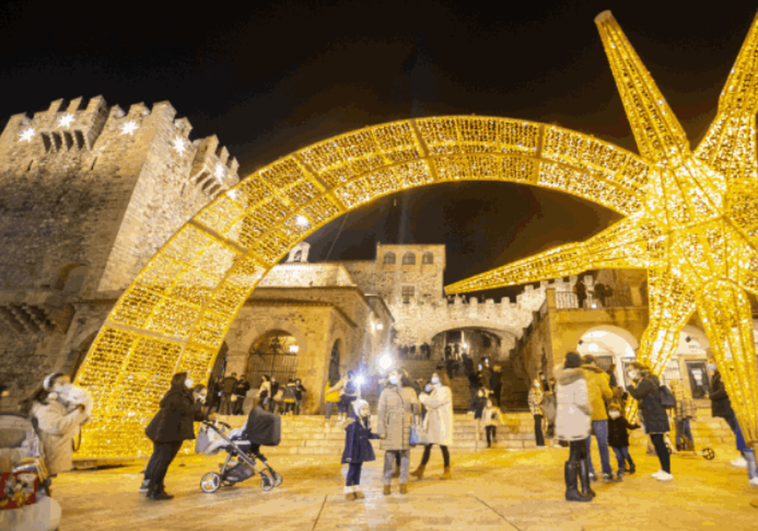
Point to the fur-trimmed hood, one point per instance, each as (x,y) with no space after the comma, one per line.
(567,376)
(593,368)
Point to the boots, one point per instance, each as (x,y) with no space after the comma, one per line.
(350,493)
(584,476)
(572,493)
(403,488)
(448,473)
(419,472)
(156,492)
(387,490)
(358,493)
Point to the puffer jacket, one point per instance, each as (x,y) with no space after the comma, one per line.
(397,405)
(57,429)
(572,419)
(599,391)
(654,416)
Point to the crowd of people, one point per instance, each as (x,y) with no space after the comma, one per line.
(578,403)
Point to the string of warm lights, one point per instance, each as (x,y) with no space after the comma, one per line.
(176,313)
(695,230)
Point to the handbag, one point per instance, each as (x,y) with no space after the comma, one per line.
(419,436)
(667,398)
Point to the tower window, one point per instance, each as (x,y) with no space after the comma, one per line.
(427,258)
(389,258)
(409,259)
(407,293)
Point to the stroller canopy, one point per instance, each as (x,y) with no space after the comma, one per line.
(263,428)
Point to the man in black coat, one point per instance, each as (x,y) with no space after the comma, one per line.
(227,390)
(240,391)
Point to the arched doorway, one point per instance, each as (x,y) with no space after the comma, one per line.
(273,354)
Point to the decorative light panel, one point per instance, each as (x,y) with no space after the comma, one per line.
(692,218)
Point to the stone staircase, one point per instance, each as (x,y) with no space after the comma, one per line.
(312,435)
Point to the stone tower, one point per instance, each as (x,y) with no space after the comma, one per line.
(90,193)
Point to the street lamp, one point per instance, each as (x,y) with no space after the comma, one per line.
(385,362)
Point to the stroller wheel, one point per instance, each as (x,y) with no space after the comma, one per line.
(708,453)
(277,477)
(266,483)
(210,482)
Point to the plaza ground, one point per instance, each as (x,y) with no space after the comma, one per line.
(496,489)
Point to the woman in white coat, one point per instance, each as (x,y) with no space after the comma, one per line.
(438,422)
(572,424)
(58,419)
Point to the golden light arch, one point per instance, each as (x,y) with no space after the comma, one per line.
(175,314)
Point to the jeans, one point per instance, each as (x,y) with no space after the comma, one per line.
(354,474)
(538,430)
(405,463)
(428,453)
(226,404)
(752,467)
(491,430)
(622,455)
(682,430)
(732,422)
(164,453)
(238,405)
(661,451)
(346,405)
(600,428)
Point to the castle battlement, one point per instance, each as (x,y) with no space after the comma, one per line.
(91,127)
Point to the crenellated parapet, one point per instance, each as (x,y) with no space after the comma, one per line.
(213,171)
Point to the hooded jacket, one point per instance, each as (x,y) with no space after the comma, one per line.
(654,416)
(720,404)
(180,414)
(572,422)
(358,449)
(57,429)
(397,405)
(599,390)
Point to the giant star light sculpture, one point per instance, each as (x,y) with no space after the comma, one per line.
(696,231)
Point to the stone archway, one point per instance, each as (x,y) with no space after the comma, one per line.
(175,314)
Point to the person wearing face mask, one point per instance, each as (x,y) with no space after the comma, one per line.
(618,437)
(536,397)
(397,406)
(58,421)
(438,423)
(654,416)
(358,449)
(171,426)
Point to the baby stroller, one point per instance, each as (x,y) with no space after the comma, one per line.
(242,446)
(25,501)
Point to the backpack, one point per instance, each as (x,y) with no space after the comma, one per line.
(667,399)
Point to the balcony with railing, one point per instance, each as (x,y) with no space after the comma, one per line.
(568,300)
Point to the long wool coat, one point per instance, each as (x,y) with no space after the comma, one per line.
(654,416)
(397,405)
(439,416)
(572,419)
(57,429)
(358,449)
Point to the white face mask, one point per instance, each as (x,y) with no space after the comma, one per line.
(201,398)
(614,414)
(435,381)
(428,388)
(393,380)
(188,382)
(711,367)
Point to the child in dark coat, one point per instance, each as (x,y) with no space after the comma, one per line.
(618,437)
(358,449)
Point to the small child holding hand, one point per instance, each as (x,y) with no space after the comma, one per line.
(618,437)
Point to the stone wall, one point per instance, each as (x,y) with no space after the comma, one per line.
(90,193)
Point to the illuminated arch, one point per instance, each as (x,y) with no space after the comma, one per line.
(175,314)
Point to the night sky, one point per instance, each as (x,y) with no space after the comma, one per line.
(272,77)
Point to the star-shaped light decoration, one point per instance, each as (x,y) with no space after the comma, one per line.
(696,230)
(128,128)
(219,171)
(179,145)
(26,135)
(65,120)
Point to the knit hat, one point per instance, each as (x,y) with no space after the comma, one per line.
(357,405)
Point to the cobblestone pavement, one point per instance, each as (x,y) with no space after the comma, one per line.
(511,490)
